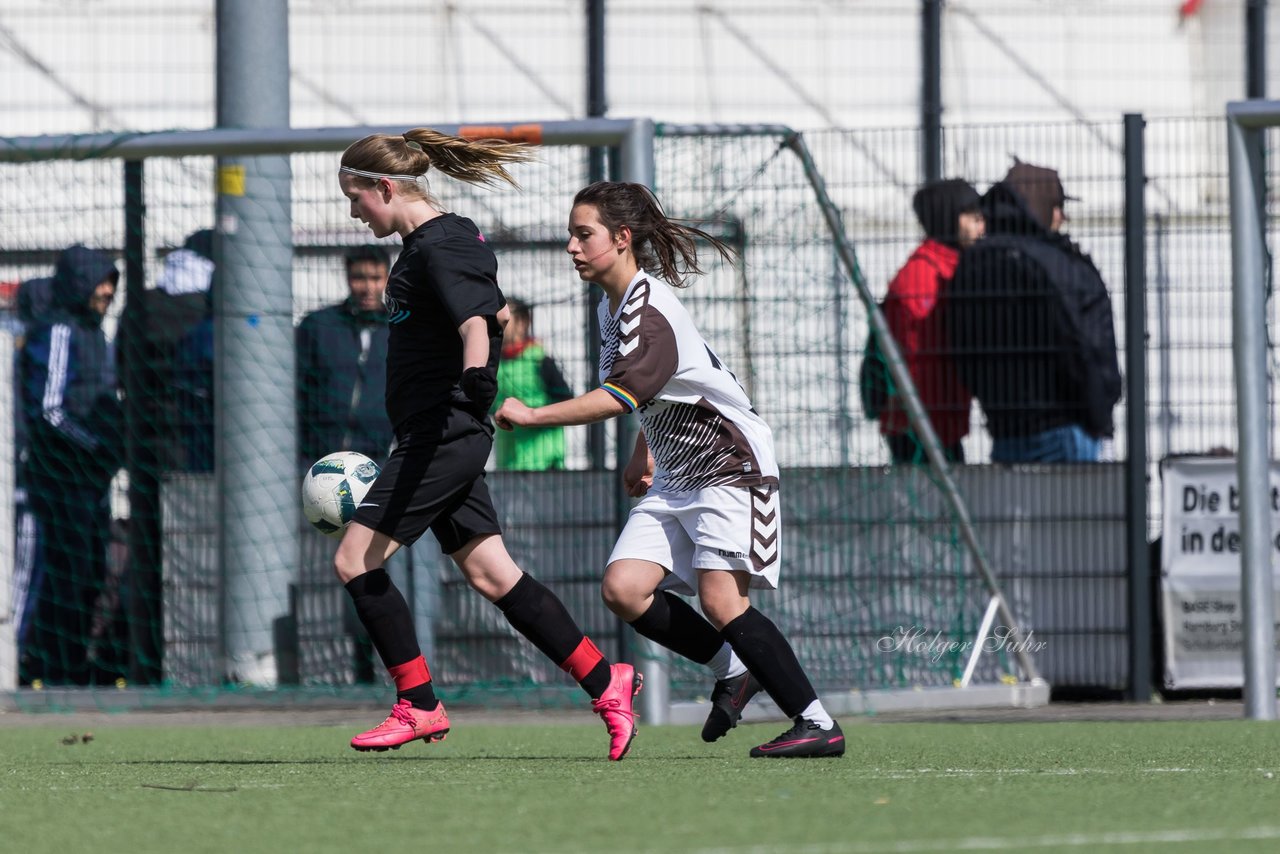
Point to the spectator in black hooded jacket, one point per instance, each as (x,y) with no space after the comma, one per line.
(1031,327)
(75,447)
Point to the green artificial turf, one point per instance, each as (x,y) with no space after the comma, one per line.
(1168,787)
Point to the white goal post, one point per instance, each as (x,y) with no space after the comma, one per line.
(1247,122)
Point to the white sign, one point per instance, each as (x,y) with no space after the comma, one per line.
(1200,571)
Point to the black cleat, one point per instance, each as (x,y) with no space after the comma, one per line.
(728,699)
(806,738)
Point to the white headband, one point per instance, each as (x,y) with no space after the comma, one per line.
(363,174)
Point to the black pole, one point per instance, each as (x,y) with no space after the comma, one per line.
(931,90)
(597,106)
(1255,36)
(1255,28)
(1135,318)
(596,103)
(144,578)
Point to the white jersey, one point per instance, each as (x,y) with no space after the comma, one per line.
(697,420)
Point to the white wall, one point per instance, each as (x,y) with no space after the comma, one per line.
(82,65)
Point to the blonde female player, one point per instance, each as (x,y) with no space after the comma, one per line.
(704,463)
(446,319)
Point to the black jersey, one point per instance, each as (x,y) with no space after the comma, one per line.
(445,274)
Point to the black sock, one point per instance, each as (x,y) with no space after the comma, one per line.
(673,623)
(389,622)
(771,660)
(540,616)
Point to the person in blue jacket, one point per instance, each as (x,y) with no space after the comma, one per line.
(74,448)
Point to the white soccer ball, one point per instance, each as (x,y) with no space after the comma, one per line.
(334,485)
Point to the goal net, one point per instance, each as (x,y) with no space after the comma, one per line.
(880,586)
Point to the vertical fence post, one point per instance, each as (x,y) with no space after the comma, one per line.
(931,90)
(1135,351)
(144,580)
(11,603)
(597,106)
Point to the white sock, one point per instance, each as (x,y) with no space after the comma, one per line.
(816,713)
(726,664)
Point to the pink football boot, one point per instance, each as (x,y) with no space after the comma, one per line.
(614,707)
(403,725)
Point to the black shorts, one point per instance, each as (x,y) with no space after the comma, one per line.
(434,479)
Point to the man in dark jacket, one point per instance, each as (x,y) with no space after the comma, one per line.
(1031,326)
(342,357)
(75,447)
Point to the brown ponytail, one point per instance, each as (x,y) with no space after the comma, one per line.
(413,153)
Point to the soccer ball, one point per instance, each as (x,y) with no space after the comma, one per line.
(334,485)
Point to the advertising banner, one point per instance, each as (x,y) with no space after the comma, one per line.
(1200,571)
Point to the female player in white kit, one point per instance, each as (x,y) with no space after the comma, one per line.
(708,522)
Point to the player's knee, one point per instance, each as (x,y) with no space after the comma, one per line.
(490,571)
(344,568)
(487,584)
(721,605)
(617,593)
(348,563)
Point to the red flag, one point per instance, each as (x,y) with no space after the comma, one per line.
(1189,8)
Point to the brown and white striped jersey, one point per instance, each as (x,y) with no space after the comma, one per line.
(698,421)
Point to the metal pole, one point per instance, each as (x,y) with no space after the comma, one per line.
(597,105)
(1135,353)
(1255,28)
(1255,34)
(144,581)
(931,90)
(843,392)
(255,433)
(248,141)
(636,164)
(1249,325)
(1165,347)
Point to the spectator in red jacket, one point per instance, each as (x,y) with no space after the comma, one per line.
(950,213)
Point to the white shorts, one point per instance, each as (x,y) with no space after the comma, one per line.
(719,527)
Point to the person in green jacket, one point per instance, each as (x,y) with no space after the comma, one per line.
(529,375)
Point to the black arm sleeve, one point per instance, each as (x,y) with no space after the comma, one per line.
(556,385)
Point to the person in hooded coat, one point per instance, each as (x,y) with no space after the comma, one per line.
(1031,327)
(74,448)
(950,213)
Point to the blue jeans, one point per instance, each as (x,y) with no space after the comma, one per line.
(1069,444)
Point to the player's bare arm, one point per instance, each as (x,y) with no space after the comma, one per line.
(637,477)
(474,332)
(595,405)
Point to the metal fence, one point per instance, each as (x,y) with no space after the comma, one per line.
(787,321)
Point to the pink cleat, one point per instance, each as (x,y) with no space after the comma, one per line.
(614,707)
(403,725)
